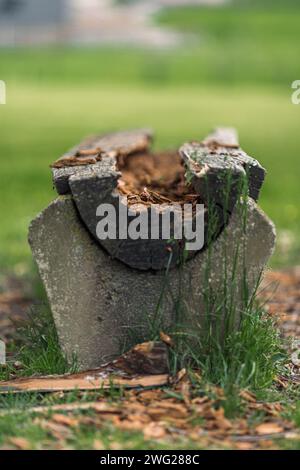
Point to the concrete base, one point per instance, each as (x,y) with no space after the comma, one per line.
(101,307)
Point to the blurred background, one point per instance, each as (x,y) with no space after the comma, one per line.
(78,67)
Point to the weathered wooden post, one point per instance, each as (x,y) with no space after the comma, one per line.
(101,290)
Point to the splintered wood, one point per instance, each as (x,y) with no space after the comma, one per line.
(89,380)
(92,149)
(121,170)
(155,178)
(145,365)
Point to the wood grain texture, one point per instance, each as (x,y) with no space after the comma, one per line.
(215,170)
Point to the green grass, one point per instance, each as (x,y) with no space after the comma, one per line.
(38,349)
(248,358)
(85,436)
(236,70)
(240,43)
(230,339)
(40,122)
(248,43)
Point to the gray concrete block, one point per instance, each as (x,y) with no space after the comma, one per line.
(100,305)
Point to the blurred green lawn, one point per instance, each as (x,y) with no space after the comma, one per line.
(238,71)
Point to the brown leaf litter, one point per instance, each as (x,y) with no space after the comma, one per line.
(171,413)
(281,291)
(157,415)
(14,304)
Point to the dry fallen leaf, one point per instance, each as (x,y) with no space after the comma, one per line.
(272,409)
(248,396)
(20,443)
(179,376)
(268,428)
(218,420)
(148,395)
(65,420)
(282,382)
(98,445)
(58,431)
(244,445)
(167,410)
(266,444)
(166,339)
(128,425)
(154,431)
(185,392)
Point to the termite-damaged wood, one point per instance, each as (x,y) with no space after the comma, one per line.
(149,185)
(216,168)
(91,152)
(121,171)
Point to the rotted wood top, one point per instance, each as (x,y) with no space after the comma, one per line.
(97,155)
(92,173)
